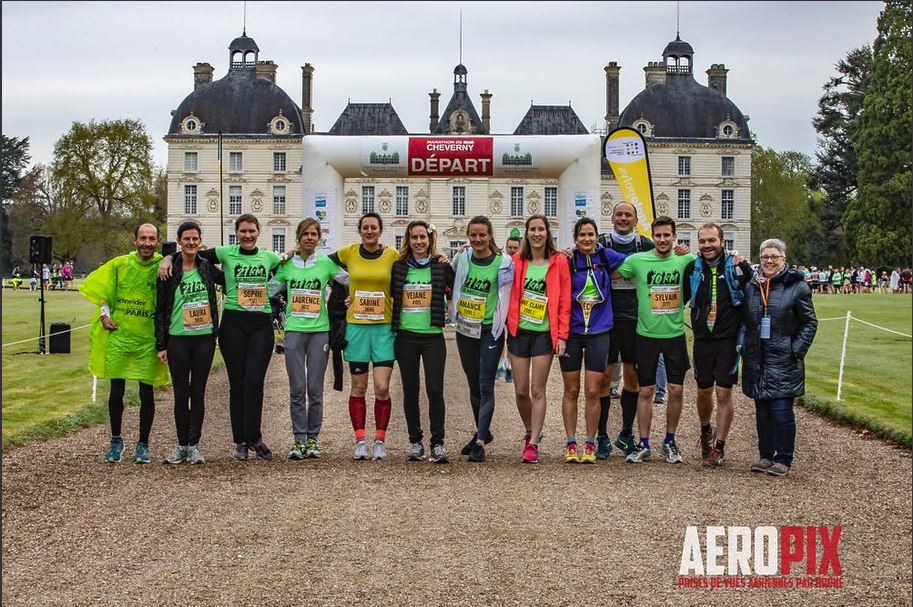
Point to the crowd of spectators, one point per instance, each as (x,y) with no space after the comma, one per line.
(857,280)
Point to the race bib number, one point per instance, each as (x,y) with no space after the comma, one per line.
(197,316)
(368,305)
(416,298)
(711,316)
(252,296)
(471,308)
(623,284)
(532,307)
(664,300)
(306,303)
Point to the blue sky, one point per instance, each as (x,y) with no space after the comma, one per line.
(73,61)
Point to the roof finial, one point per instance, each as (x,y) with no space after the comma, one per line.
(677,19)
(461,37)
(244,31)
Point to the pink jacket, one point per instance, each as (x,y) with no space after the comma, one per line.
(557,289)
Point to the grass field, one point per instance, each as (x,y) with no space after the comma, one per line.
(876,389)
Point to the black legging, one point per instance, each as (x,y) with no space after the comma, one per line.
(146,409)
(246,341)
(189,361)
(431,350)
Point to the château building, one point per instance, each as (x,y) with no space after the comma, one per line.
(699,148)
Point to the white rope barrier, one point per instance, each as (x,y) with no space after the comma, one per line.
(16,343)
(882,328)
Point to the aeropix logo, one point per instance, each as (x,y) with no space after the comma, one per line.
(762,557)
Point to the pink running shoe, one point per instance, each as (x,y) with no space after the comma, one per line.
(530,454)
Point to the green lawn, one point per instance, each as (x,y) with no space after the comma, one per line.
(876,389)
(49,394)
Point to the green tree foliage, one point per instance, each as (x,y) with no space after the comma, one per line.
(836,123)
(108,167)
(14,158)
(878,218)
(780,204)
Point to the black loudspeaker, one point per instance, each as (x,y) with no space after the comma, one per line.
(60,343)
(40,249)
(169,247)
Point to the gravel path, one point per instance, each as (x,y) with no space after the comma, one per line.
(77,531)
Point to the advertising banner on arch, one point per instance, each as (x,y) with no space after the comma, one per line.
(626,152)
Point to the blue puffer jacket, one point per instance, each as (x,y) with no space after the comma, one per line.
(775,368)
(601,263)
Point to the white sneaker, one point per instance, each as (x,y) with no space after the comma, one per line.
(416,452)
(361,450)
(380,450)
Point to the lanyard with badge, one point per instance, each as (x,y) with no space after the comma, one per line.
(711,315)
(764,288)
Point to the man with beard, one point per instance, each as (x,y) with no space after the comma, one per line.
(715,280)
(661,289)
(122,340)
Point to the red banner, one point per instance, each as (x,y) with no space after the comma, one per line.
(451,156)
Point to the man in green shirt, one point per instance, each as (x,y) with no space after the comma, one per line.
(122,339)
(659,277)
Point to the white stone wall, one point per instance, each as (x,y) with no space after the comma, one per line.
(256,179)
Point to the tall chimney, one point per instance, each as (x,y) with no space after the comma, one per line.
(266,69)
(655,73)
(486,111)
(611,94)
(435,99)
(716,78)
(307,111)
(202,74)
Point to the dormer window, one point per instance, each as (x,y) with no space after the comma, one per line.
(191,125)
(727,130)
(644,127)
(279,125)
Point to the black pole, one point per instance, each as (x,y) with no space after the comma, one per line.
(41,331)
(221,215)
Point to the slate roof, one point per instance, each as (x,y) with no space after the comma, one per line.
(368,119)
(459,101)
(238,104)
(681,108)
(550,120)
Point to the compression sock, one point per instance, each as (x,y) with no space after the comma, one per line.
(382,410)
(357,412)
(604,403)
(628,411)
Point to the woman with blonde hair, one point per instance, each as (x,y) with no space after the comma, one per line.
(418,285)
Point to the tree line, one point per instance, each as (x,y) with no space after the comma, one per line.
(100,184)
(852,204)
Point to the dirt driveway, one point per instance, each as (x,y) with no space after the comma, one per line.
(333,531)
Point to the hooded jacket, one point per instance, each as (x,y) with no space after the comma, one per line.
(557,289)
(774,367)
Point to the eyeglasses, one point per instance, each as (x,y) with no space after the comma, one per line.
(771,257)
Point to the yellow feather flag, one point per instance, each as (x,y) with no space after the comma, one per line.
(626,152)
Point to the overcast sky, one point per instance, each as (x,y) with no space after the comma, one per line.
(65,62)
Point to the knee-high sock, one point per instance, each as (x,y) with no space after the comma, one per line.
(357,412)
(382,409)
(604,403)
(628,411)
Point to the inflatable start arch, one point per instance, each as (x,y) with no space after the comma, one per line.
(328,160)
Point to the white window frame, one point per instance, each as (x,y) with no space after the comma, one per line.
(684,204)
(235,199)
(191,162)
(235,161)
(367,199)
(731,169)
(551,201)
(190,200)
(279,198)
(232,239)
(279,162)
(729,244)
(516,201)
(279,240)
(402,201)
(459,200)
(727,204)
(684,166)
